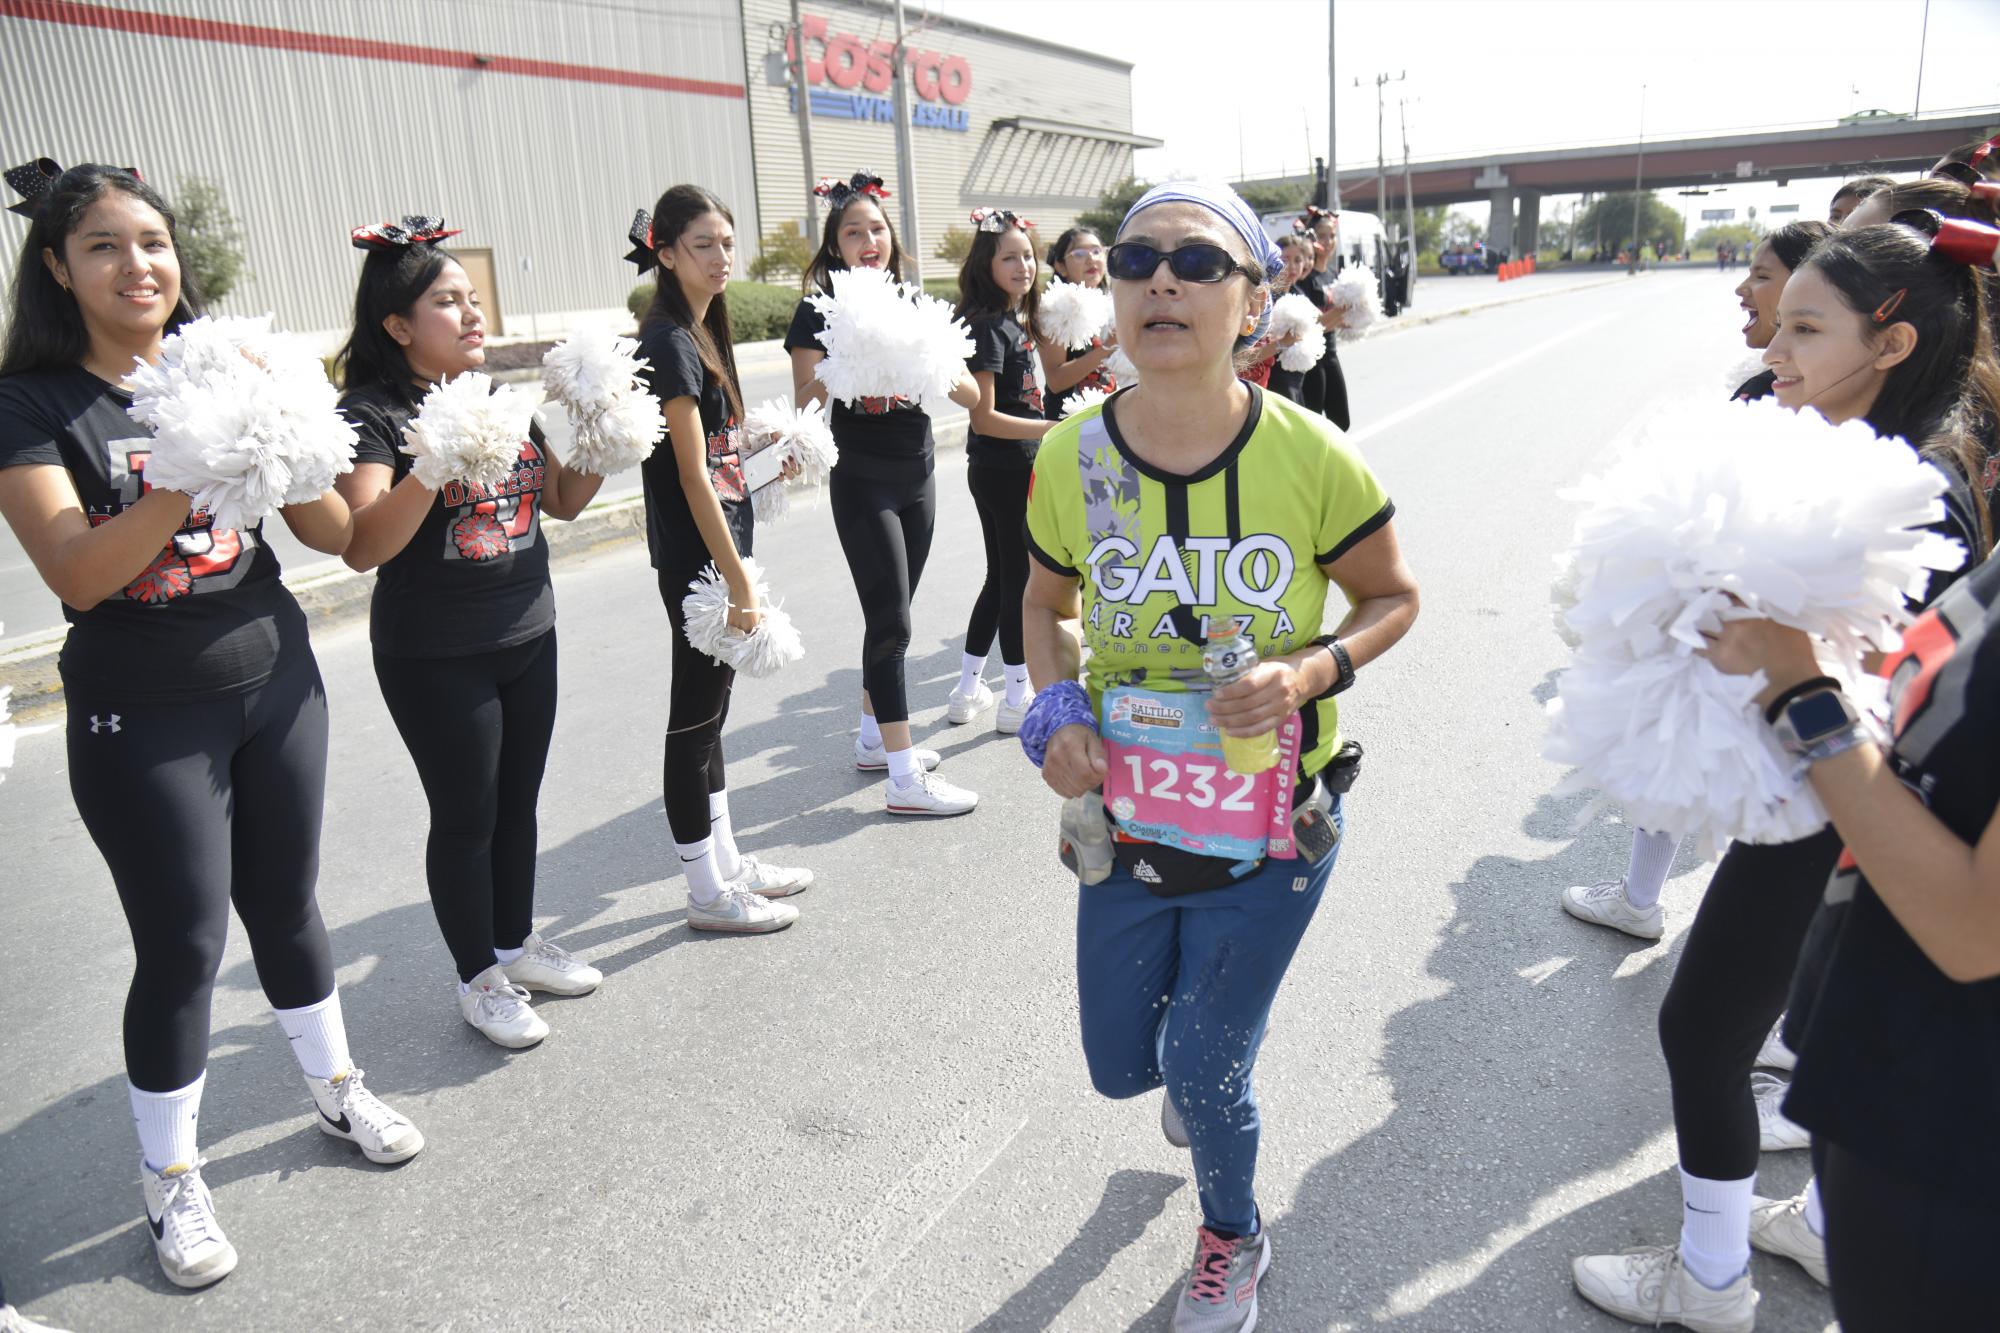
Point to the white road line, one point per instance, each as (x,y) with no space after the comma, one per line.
(1395,419)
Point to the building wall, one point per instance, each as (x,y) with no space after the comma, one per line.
(956,170)
(542,162)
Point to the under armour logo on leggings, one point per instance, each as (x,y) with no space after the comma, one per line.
(109,724)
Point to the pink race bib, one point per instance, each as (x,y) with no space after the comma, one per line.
(1168,783)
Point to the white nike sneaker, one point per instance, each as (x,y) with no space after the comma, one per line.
(875,758)
(1008,718)
(928,795)
(1171,1123)
(1779,1226)
(347,1110)
(769,881)
(960,709)
(740,912)
(499,1008)
(1604,905)
(547,967)
(1651,1286)
(1776,1133)
(1774,1054)
(181,1212)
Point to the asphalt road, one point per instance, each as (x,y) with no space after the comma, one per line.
(880,1119)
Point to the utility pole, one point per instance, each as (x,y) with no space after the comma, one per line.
(1922,39)
(1639,175)
(906,161)
(1332,138)
(802,105)
(1381,167)
(1409,207)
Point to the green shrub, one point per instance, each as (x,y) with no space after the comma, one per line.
(757,310)
(208,236)
(785,253)
(955,245)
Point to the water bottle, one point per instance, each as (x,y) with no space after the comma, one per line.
(1230,656)
(1086,839)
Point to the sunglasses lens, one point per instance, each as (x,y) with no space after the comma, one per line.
(1131,261)
(1201,263)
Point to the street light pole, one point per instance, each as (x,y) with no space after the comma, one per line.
(1639,176)
(906,162)
(1332,139)
(1381,164)
(802,104)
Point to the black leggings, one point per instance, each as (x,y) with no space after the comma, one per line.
(1001,494)
(478,728)
(1903,1256)
(697,706)
(194,806)
(885,529)
(1734,976)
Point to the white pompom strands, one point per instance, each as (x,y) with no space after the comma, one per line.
(1082,401)
(616,421)
(773,644)
(1812,525)
(469,430)
(243,419)
(1072,315)
(802,436)
(884,339)
(1294,314)
(1359,297)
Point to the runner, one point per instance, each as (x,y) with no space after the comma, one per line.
(1076,257)
(1194,498)
(197,725)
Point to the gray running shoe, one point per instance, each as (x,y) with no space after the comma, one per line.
(1171,1123)
(1220,1295)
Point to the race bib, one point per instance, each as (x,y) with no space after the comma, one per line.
(1167,782)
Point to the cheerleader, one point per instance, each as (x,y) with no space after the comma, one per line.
(462,623)
(1077,257)
(884,496)
(1324,389)
(997,297)
(1266,369)
(197,724)
(697,514)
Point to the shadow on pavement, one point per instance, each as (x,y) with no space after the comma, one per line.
(1129,1204)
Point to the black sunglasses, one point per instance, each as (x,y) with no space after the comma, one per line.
(1135,261)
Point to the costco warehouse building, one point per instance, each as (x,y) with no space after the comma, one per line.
(538,126)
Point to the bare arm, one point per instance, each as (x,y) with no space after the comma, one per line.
(989,420)
(387,512)
(806,388)
(1063,374)
(82,564)
(691,468)
(565,491)
(325,524)
(1074,763)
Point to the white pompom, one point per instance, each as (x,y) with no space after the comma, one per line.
(1740,372)
(616,422)
(1119,367)
(773,644)
(1812,525)
(1072,314)
(886,340)
(469,430)
(802,436)
(1359,297)
(1294,314)
(1082,401)
(243,417)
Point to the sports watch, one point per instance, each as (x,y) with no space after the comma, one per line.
(1818,722)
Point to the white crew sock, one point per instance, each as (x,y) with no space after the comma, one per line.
(1646,872)
(728,860)
(1815,1211)
(166,1122)
(871,732)
(319,1037)
(903,766)
(506,956)
(1018,692)
(970,669)
(705,879)
(1715,1229)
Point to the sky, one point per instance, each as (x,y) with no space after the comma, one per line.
(1481,76)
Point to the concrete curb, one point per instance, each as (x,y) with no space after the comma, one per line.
(1403,323)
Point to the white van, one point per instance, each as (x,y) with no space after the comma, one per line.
(1362,240)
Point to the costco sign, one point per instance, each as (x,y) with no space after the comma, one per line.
(847,76)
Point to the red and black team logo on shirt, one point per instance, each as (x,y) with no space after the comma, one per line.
(199,558)
(878,407)
(725,462)
(1031,391)
(487,524)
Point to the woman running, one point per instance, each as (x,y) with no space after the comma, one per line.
(698,514)
(998,297)
(197,726)
(462,623)
(1188,500)
(884,497)
(1076,257)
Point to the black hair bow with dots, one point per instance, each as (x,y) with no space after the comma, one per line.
(643,256)
(33,181)
(838,192)
(415,230)
(993,221)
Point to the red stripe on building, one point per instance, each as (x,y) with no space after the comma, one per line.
(80,15)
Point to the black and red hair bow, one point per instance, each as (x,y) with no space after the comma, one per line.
(33,181)
(838,192)
(1960,240)
(1969,172)
(993,221)
(415,230)
(1310,218)
(640,233)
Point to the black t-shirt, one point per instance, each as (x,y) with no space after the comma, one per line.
(475,577)
(1757,386)
(1096,379)
(209,617)
(1313,287)
(1899,1064)
(1000,344)
(887,439)
(675,371)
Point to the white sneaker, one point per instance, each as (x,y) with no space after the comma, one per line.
(547,967)
(928,795)
(499,1008)
(181,1212)
(347,1110)
(1651,1286)
(1171,1123)
(13,1321)
(769,881)
(962,708)
(1774,1054)
(1008,719)
(1604,905)
(1776,1133)
(741,912)
(1779,1226)
(875,758)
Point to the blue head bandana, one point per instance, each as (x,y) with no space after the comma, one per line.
(1226,204)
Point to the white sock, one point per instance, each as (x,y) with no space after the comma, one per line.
(319,1038)
(969,670)
(1715,1229)
(903,766)
(728,860)
(506,956)
(704,879)
(871,732)
(1646,872)
(166,1122)
(1815,1211)
(1017,683)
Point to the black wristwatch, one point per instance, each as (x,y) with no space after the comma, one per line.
(1343,665)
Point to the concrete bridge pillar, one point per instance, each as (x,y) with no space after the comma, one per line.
(1500,216)
(1528,228)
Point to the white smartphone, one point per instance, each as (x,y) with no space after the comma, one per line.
(763,467)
